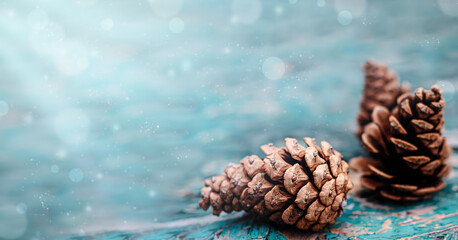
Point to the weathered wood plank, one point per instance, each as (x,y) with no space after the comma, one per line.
(366,217)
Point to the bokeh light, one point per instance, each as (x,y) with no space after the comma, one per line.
(71,58)
(112,113)
(76,175)
(107,24)
(72,126)
(176,25)
(37,19)
(448,88)
(273,68)
(345,17)
(449,7)
(54,169)
(13,224)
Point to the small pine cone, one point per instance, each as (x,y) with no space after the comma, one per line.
(408,147)
(293,185)
(381,88)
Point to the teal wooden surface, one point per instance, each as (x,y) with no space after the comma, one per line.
(111,115)
(366,217)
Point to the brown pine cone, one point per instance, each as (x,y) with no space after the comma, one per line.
(408,147)
(381,88)
(293,185)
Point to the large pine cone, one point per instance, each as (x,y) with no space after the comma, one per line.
(408,146)
(381,88)
(293,185)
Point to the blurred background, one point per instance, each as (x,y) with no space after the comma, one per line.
(112,113)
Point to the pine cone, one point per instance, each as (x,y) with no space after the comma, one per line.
(293,185)
(408,146)
(381,88)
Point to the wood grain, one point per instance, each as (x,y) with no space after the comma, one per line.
(366,217)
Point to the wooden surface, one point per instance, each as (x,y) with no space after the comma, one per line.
(109,121)
(366,217)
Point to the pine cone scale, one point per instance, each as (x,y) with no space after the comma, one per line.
(295,178)
(292,214)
